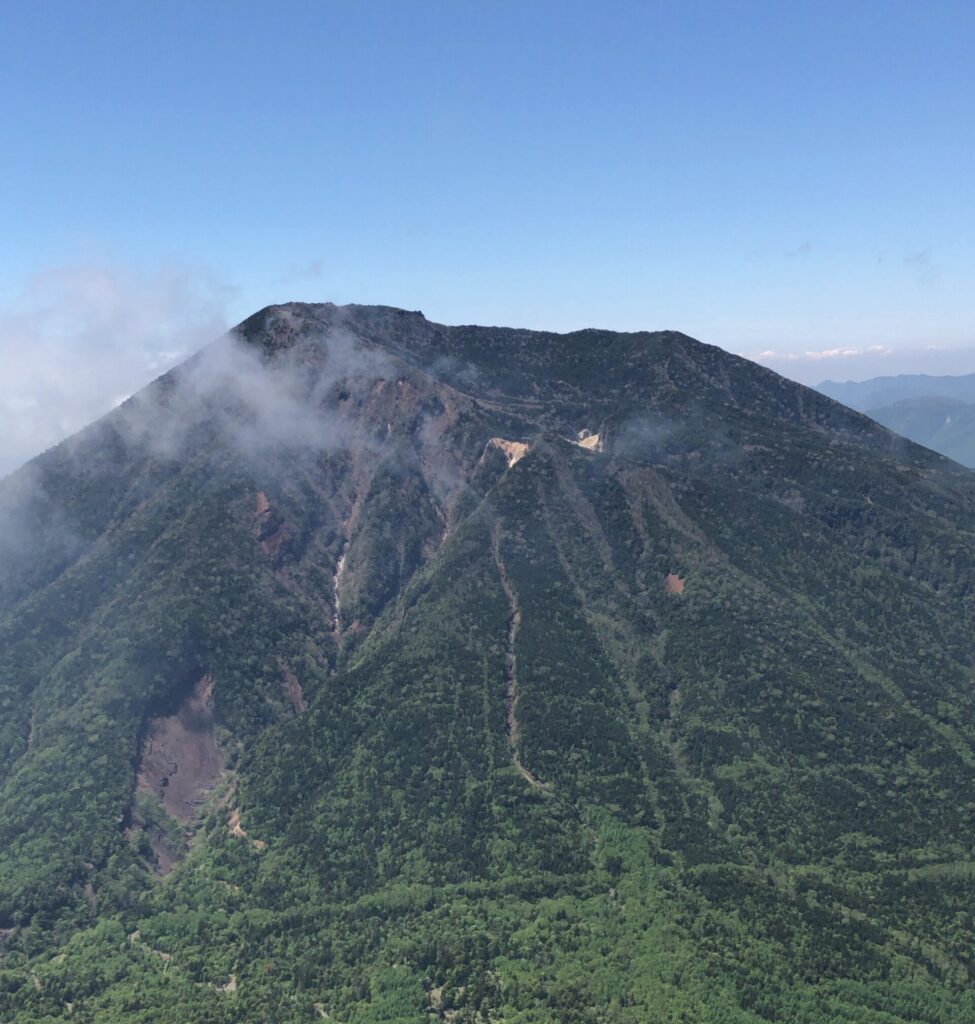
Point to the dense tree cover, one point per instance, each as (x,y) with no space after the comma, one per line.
(519,778)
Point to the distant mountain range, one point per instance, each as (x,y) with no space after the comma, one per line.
(938,412)
(879,392)
(364,669)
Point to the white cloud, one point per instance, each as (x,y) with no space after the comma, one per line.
(861,362)
(78,339)
(773,356)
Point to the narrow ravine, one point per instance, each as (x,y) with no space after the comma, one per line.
(336,598)
(511,670)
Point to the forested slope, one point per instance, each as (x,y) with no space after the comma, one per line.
(366,669)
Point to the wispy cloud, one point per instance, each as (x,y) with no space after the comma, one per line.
(80,339)
(804,248)
(922,265)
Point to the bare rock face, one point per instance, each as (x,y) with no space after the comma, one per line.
(180,761)
(513,450)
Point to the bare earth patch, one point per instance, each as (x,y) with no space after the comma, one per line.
(673,583)
(236,829)
(512,450)
(180,762)
(511,669)
(590,441)
(233,823)
(292,689)
(269,528)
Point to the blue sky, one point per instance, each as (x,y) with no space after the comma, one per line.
(784,178)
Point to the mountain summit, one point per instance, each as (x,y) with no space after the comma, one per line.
(368,669)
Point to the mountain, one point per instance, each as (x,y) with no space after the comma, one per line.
(938,412)
(879,392)
(366,669)
(945,425)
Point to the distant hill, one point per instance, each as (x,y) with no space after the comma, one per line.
(880,392)
(938,412)
(945,425)
(365,669)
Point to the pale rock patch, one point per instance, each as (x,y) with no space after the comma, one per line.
(513,451)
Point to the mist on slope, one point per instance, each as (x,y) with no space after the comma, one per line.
(233,399)
(80,339)
(255,402)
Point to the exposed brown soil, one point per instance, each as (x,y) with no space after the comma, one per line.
(292,689)
(270,530)
(180,762)
(271,544)
(512,450)
(234,824)
(673,583)
(589,441)
(236,829)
